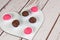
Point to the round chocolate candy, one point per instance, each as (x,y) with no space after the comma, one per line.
(32,20)
(25,13)
(15,23)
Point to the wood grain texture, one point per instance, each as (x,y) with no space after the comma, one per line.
(56,32)
(3,2)
(51,11)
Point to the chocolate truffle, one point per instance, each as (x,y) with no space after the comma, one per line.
(32,20)
(25,13)
(15,23)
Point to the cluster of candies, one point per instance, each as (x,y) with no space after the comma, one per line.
(34,16)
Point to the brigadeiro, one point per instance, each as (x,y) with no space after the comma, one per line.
(25,13)
(32,20)
(15,23)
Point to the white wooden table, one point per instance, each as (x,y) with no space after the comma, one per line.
(51,12)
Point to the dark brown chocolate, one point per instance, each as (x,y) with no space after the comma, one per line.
(32,20)
(25,13)
(15,23)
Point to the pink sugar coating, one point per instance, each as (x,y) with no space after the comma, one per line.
(34,9)
(28,30)
(7,17)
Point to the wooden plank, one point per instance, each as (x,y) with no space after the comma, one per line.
(14,5)
(1,31)
(56,32)
(51,12)
(3,2)
(6,36)
(42,3)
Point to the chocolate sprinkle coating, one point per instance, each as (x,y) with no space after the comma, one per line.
(25,13)
(32,20)
(15,23)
